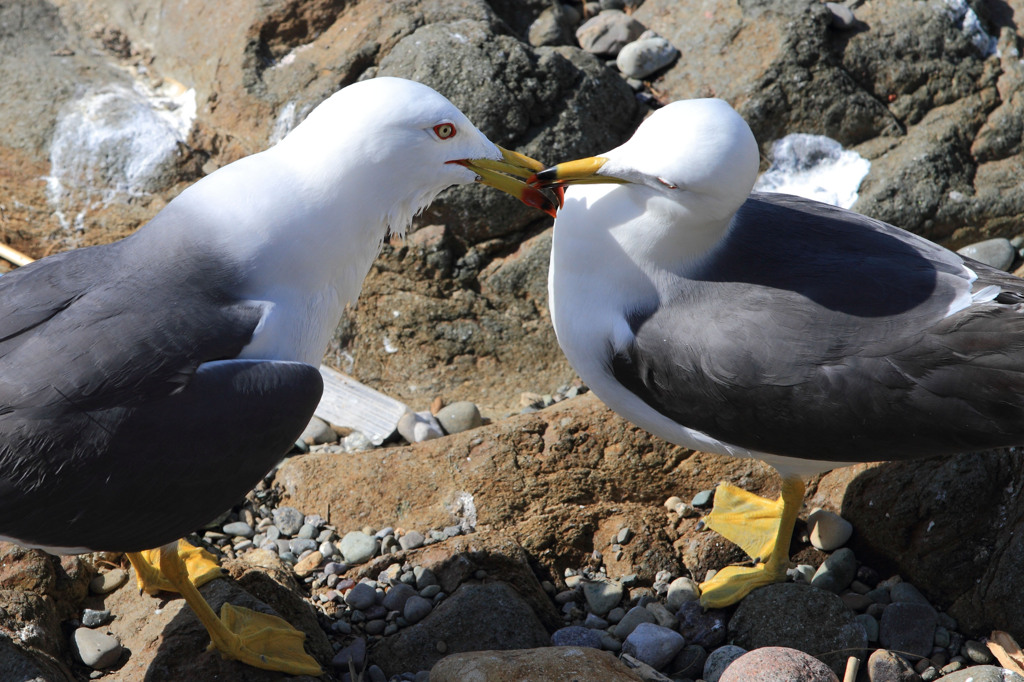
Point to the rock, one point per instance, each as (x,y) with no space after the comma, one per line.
(828,530)
(397,596)
(318,432)
(602,595)
(841,16)
(689,662)
(885,666)
(633,617)
(681,590)
(104,583)
(551,664)
(653,644)
(96,649)
(362,596)
(662,615)
(554,25)
(416,427)
(576,635)
(768,664)
(459,416)
(906,592)
(416,608)
(92,618)
(704,628)
(354,654)
(288,520)
(775,615)
(976,652)
(411,540)
(239,529)
(475,617)
(719,660)
(997,253)
(606,33)
(308,563)
(983,673)
(641,58)
(358,547)
(837,571)
(908,628)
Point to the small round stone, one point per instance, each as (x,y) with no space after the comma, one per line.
(633,618)
(96,649)
(720,659)
(375,627)
(653,644)
(602,595)
(681,590)
(841,17)
(288,520)
(105,583)
(396,597)
(239,529)
(416,608)
(411,540)
(997,253)
(92,618)
(837,571)
(358,547)
(460,416)
(362,596)
(577,635)
(828,530)
(976,652)
(703,499)
(424,577)
(640,58)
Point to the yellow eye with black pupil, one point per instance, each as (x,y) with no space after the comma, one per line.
(444,130)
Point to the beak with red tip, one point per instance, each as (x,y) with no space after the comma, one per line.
(504,175)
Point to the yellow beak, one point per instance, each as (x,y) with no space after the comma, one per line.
(578,172)
(503,175)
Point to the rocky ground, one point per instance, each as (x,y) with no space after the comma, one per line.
(550,526)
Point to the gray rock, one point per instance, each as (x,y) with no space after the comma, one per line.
(633,617)
(776,615)
(416,427)
(416,608)
(681,590)
(643,57)
(595,622)
(239,529)
(396,597)
(837,571)
(602,595)
(704,498)
(362,596)
(300,545)
(91,618)
(288,520)
(430,591)
(105,583)
(577,635)
(354,653)
(777,663)
(997,253)
(424,577)
(554,25)
(459,416)
(719,660)
(96,649)
(885,666)
(704,628)
(411,540)
(318,432)
(828,530)
(306,532)
(653,644)
(616,614)
(841,17)
(358,547)
(908,628)
(976,652)
(870,624)
(689,662)
(607,33)
(907,593)
(983,673)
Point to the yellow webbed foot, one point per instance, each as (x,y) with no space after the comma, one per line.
(761,528)
(201,566)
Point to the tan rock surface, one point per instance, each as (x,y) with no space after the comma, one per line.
(553,664)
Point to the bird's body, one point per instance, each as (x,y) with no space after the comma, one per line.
(771,326)
(146,385)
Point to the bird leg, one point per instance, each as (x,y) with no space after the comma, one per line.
(258,639)
(762,528)
(202,567)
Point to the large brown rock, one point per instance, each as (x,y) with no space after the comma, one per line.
(552,664)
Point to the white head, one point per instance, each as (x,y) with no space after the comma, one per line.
(699,152)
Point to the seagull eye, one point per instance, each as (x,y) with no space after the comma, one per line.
(444,131)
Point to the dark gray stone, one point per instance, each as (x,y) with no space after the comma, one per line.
(908,628)
(577,635)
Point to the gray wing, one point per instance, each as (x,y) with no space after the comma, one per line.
(821,334)
(116,383)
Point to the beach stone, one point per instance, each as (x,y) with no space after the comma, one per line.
(828,530)
(662,615)
(608,32)
(689,662)
(288,520)
(547,664)
(982,673)
(416,608)
(769,664)
(318,432)
(411,540)
(92,618)
(239,528)
(105,583)
(653,644)
(602,595)
(719,660)
(776,615)
(576,635)
(362,596)
(424,577)
(908,628)
(841,17)
(905,592)
(837,571)
(976,652)
(308,563)
(416,427)
(703,499)
(300,545)
(397,596)
(595,622)
(633,617)
(681,590)
(354,653)
(641,58)
(885,666)
(870,624)
(997,253)
(704,628)
(96,649)
(459,416)
(357,547)
(553,26)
